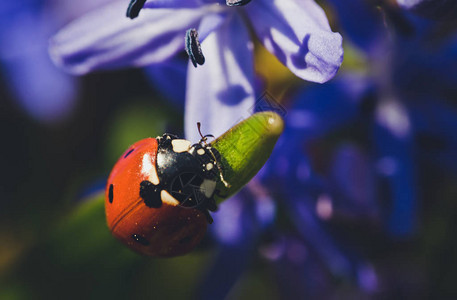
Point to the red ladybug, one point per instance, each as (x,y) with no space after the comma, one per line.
(159,193)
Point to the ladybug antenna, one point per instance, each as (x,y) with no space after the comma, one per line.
(203,140)
(204,137)
(199,125)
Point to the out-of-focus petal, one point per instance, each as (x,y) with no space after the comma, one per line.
(210,23)
(298,33)
(172,3)
(311,230)
(44,91)
(220,93)
(234,228)
(170,78)
(361,22)
(436,132)
(434,9)
(106,39)
(317,110)
(10,9)
(233,260)
(298,272)
(322,108)
(409,3)
(421,68)
(353,180)
(395,163)
(62,12)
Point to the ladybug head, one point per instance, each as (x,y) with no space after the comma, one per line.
(214,153)
(204,137)
(188,172)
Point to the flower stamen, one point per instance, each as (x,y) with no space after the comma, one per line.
(193,47)
(237,2)
(134,8)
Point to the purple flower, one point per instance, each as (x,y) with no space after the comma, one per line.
(221,90)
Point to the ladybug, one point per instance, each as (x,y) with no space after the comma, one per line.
(159,194)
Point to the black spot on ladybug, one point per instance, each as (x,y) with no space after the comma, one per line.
(128,153)
(150,194)
(110,193)
(140,239)
(185,240)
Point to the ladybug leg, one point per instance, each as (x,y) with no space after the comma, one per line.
(208,216)
(218,193)
(211,205)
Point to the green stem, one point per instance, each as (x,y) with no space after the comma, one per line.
(244,149)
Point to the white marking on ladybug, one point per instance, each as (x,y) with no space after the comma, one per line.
(208,187)
(180,145)
(201,151)
(169,199)
(149,169)
(209,166)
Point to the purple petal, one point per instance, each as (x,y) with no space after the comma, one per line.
(106,39)
(298,271)
(394,145)
(44,91)
(172,3)
(321,108)
(236,231)
(311,230)
(169,78)
(433,9)
(353,177)
(234,261)
(298,33)
(351,14)
(436,123)
(409,3)
(210,23)
(220,93)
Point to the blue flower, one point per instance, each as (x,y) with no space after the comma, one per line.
(221,90)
